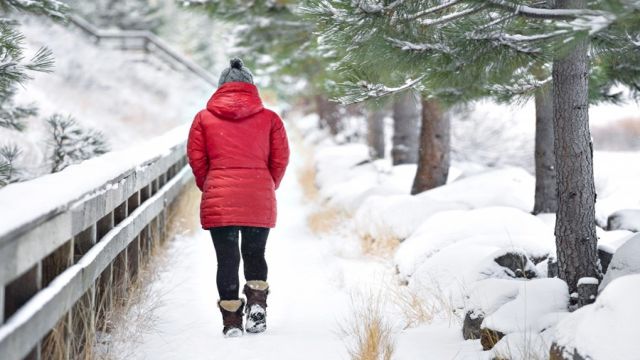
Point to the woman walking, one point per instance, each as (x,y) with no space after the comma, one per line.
(238,151)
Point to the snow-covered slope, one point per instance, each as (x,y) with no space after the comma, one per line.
(128,96)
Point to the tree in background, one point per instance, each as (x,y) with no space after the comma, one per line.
(470,48)
(70,143)
(406,125)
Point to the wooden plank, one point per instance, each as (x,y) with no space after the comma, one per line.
(24,330)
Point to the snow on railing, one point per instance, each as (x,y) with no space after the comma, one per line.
(144,41)
(69,241)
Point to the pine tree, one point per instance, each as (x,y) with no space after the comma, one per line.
(462,49)
(70,143)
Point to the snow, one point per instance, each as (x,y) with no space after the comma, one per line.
(625,261)
(588,281)
(77,181)
(605,329)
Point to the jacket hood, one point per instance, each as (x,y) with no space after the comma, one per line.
(235,100)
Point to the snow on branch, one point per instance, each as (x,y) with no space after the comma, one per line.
(431,10)
(452,16)
(540,13)
(367,90)
(423,47)
(375,7)
(520,87)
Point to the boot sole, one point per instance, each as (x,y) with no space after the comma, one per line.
(231,333)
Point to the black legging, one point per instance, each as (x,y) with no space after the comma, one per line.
(225,241)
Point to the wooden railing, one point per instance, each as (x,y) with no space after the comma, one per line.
(62,271)
(145,41)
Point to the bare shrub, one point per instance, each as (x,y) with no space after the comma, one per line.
(422,303)
(368,334)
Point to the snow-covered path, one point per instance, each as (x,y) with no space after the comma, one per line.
(302,317)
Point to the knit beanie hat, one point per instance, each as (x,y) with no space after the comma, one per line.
(236,72)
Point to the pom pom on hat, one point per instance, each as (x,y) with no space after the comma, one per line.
(236,72)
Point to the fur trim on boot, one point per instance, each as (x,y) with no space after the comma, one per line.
(232,311)
(256,292)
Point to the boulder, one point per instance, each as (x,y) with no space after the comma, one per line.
(605,254)
(471,325)
(489,338)
(517,264)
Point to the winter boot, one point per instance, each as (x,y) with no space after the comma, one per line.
(232,311)
(256,292)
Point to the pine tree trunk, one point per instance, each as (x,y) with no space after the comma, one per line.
(406,120)
(329,114)
(375,133)
(575,223)
(435,148)
(546,197)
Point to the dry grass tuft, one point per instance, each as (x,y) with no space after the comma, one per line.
(307,178)
(325,219)
(368,335)
(422,304)
(384,246)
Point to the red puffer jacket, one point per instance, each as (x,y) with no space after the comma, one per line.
(238,151)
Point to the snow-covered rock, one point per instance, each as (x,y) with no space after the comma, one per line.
(518,305)
(627,219)
(625,261)
(498,227)
(606,329)
(399,216)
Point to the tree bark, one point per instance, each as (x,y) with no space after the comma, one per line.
(406,119)
(375,133)
(546,197)
(435,148)
(575,222)
(329,114)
